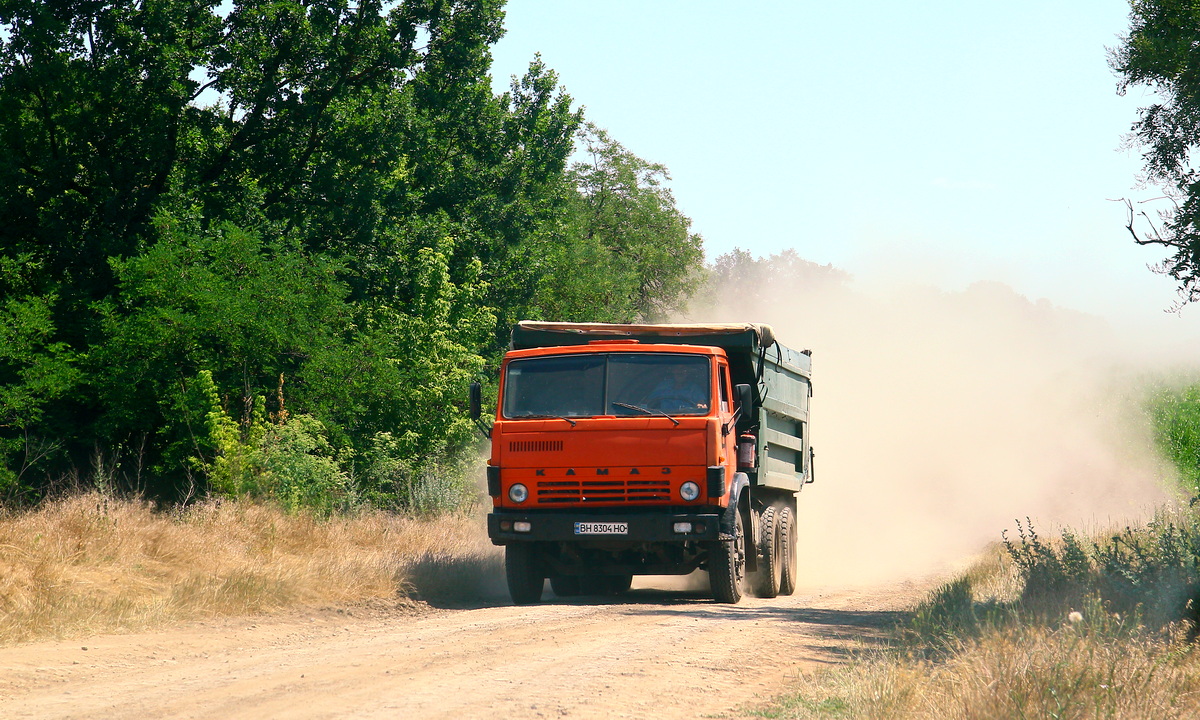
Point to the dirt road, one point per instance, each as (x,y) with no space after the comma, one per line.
(649,654)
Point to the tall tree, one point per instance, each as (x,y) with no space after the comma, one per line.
(1162,52)
(322,190)
(630,253)
(214,211)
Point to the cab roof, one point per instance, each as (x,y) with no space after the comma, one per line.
(730,336)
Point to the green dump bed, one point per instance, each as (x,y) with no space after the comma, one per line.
(781,378)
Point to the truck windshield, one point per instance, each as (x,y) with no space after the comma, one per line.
(608,384)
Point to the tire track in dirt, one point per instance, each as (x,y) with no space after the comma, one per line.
(649,654)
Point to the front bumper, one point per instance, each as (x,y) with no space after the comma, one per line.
(559,526)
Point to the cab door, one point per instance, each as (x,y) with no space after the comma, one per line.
(725,405)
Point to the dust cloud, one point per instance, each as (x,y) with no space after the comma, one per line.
(938,418)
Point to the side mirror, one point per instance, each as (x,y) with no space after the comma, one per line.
(476,401)
(477,408)
(744,395)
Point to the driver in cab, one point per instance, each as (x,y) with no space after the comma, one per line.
(682,390)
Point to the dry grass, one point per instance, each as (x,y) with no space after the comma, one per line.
(94,564)
(1065,674)
(989,658)
(992,575)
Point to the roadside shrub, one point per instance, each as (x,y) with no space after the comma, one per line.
(1175,417)
(35,372)
(286,459)
(300,469)
(1151,572)
(391,479)
(1052,574)
(981,600)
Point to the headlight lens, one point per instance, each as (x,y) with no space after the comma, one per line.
(689,491)
(518,493)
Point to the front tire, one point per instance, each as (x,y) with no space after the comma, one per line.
(524,573)
(727,565)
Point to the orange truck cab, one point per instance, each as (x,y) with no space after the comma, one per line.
(622,450)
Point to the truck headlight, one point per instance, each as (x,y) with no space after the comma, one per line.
(518,493)
(689,491)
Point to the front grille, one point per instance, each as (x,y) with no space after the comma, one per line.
(535,446)
(552,492)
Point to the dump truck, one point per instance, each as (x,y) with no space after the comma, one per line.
(622,450)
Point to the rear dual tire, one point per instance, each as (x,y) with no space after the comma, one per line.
(772,543)
(787,530)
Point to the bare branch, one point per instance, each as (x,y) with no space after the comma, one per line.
(1154,236)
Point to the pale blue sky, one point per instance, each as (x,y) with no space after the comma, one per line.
(942,142)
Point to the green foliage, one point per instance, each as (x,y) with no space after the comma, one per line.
(230,456)
(203,203)
(232,311)
(629,254)
(1175,417)
(301,469)
(222,300)
(391,478)
(1050,574)
(1161,52)
(35,370)
(287,460)
(1150,573)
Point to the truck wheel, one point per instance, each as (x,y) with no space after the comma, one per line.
(565,585)
(524,573)
(618,584)
(787,534)
(770,569)
(727,566)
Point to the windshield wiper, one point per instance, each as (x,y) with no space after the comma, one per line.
(648,412)
(540,417)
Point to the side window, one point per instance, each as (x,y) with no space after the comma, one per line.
(724,374)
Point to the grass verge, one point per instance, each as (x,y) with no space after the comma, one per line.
(92,563)
(1063,628)
(1067,673)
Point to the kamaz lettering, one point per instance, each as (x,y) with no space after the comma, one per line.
(541,472)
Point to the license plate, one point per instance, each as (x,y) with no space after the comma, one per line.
(591,528)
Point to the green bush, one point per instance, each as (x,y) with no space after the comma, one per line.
(1051,575)
(287,459)
(1152,572)
(1175,418)
(390,478)
(301,470)
(35,371)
